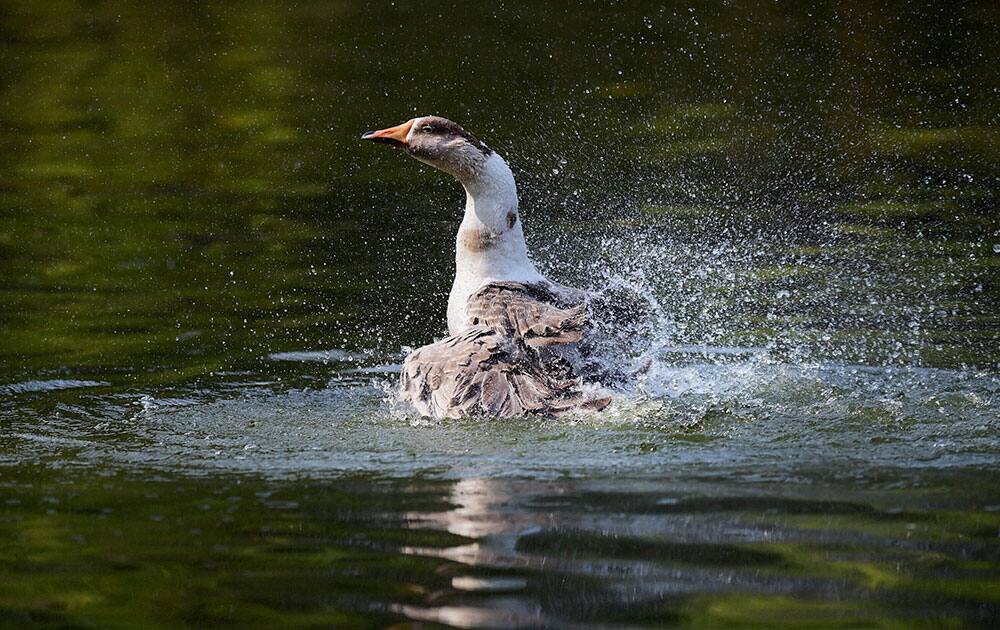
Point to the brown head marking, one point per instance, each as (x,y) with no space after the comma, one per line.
(437,141)
(442,127)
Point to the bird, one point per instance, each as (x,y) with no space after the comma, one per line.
(514,336)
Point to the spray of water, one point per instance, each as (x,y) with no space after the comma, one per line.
(746,323)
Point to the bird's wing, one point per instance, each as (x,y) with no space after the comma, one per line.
(478,372)
(530,311)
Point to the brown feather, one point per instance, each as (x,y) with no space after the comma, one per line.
(529,311)
(479,372)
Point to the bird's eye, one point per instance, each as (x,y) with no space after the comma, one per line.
(427,129)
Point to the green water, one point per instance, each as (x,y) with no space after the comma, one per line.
(207,281)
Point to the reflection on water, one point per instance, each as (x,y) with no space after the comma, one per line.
(207,286)
(495,552)
(641,555)
(738,491)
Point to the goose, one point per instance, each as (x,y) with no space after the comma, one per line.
(510,329)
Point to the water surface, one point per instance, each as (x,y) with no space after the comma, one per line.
(207,284)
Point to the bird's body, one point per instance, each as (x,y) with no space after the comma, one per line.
(510,329)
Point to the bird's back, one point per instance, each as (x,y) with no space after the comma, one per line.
(507,361)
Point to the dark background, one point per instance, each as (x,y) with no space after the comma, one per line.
(206,279)
(183,186)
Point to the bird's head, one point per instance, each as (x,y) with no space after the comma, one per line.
(438,142)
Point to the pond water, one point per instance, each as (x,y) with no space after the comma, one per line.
(207,284)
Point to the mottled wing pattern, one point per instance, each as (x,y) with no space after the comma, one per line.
(479,372)
(529,311)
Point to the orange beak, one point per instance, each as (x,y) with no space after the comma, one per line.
(395,136)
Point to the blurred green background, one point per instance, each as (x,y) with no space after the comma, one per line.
(806,192)
(183,188)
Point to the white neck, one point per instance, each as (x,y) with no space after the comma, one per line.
(490,242)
